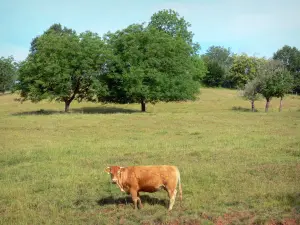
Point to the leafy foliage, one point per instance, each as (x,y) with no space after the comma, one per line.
(275,80)
(8,71)
(149,66)
(137,64)
(219,54)
(145,64)
(215,74)
(218,61)
(252,91)
(170,22)
(243,69)
(62,66)
(290,57)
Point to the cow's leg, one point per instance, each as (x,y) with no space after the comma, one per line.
(172,195)
(140,202)
(134,196)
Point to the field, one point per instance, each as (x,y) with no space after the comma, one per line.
(237,167)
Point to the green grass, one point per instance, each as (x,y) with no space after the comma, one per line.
(236,166)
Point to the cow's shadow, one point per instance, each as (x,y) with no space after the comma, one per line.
(128,200)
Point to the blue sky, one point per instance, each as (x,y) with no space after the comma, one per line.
(256,27)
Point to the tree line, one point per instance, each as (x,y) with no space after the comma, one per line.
(142,63)
(254,76)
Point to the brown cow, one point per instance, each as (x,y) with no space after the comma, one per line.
(135,179)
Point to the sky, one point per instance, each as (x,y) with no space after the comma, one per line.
(254,27)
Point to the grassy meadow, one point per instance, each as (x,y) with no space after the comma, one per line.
(237,167)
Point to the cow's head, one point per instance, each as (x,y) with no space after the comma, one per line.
(114,172)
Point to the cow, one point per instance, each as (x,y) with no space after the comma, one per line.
(135,179)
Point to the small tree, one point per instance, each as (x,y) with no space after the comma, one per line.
(8,70)
(275,81)
(284,84)
(251,91)
(62,66)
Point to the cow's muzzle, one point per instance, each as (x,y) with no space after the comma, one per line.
(114,181)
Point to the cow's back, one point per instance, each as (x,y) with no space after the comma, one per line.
(150,178)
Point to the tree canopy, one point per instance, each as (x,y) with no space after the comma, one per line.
(143,63)
(218,61)
(215,74)
(243,69)
(150,65)
(290,57)
(62,66)
(252,90)
(274,80)
(170,22)
(219,54)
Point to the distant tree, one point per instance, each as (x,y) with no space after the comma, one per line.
(8,70)
(170,22)
(219,54)
(215,74)
(290,57)
(275,80)
(150,66)
(218,61)
(62,66)
(284,84)
(243,69)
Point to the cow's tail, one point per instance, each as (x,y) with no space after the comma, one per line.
(179,184)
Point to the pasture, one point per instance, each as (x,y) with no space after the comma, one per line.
(237,167)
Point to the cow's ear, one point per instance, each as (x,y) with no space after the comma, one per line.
(107,170)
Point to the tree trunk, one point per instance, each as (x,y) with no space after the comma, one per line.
(252,106)
(68,101)
(143,105)
(67,106)
(267,104)
(280,105)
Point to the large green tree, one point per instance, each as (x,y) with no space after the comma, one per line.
(150,66)
(8,70)
(290,57)
(63,66)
